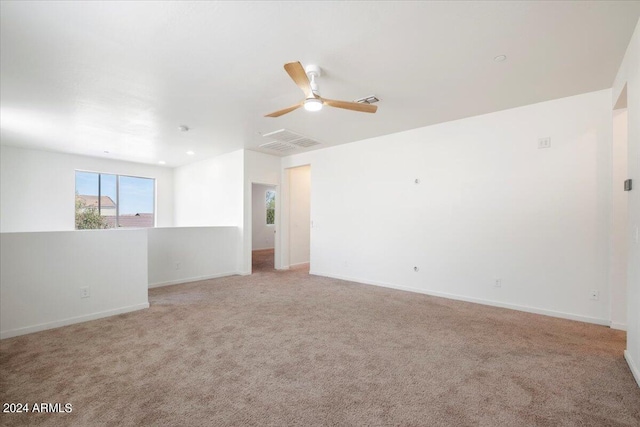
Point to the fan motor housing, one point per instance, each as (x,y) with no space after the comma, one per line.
(313,70)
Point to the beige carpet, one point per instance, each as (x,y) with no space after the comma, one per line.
(285,348)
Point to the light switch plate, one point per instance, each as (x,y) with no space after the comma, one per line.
(544,142)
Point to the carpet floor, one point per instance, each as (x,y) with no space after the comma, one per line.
(284,348)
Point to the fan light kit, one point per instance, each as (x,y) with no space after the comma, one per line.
(312,104)
(306,80)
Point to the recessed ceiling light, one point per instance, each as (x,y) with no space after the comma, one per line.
(183,128)
(500,58)
(162,162)
(191,153)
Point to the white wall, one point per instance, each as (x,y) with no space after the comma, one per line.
(629,75)
(259,168)
(217,192)
(210,192)
(33,182)
(619,222)
(41,275)
(262,235)
(299,215)
(186,254)
(489,205)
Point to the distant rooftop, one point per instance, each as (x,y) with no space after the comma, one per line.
(141,220)
(92,201)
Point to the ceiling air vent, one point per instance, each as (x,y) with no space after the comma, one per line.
(288,137)
(371,99)
(278,146)
(305,142)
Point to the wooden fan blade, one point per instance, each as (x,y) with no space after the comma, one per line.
(299,76)
(354,106)
(285,110)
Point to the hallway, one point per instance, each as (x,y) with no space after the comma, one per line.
(262,260)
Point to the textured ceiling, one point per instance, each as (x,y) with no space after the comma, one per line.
(90,77)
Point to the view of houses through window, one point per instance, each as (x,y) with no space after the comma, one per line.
(111,201)
(271,207)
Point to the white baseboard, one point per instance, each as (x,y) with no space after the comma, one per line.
(298,264)
(290,266)
(635,370)
(261,249)
(618,326)
(194,279)
(527,309)
(70,321)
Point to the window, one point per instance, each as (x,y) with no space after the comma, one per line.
(113,201)
(271,207)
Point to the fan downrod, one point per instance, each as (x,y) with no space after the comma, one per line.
(313,72)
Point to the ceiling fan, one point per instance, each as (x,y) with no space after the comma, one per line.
(306,80)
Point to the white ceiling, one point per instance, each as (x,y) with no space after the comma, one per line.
(89,77)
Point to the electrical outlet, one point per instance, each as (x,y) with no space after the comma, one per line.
(498,283)
(594,294)
(84,292)
(544,142)
(177,266)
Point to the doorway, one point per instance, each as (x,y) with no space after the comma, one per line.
(619,216)
(299,217)
(263,226)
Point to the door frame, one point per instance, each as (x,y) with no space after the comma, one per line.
(249,225)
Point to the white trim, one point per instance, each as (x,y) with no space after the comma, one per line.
(634,368)
(262,249)
(298,264)
(527,309)
(618,326)
(71,321)
(193,279)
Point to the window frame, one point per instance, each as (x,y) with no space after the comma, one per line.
(117,201)
(266,208)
